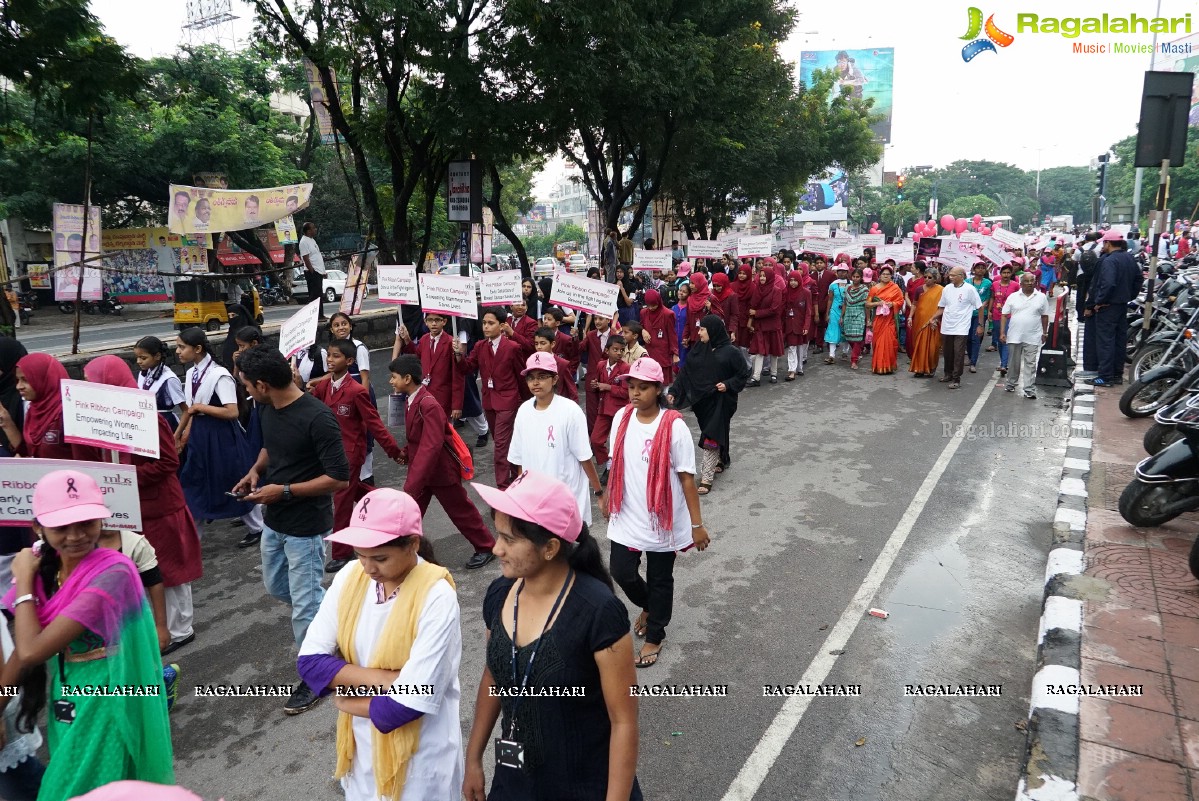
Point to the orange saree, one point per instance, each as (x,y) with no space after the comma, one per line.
(926,348)
(884,351)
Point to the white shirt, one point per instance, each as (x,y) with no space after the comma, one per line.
(554,441)
(436,769)
(631,526)
(1025,324)
(308,247)
(173,391)
(959,303)
(213,377)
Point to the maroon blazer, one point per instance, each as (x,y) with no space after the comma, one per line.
(566,347)
(798,317)
(566,386)
(824,280)
(444,377)
(523,331)
(504,388)
(429,461)
(595,354)
(616,398)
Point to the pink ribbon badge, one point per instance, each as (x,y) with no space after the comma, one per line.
(646,447)
(549,434)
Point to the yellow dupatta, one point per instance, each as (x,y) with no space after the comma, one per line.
(391,751)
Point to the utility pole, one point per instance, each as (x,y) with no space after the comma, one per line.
(1136,189)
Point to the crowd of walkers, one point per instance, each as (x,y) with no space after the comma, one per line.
(583,415)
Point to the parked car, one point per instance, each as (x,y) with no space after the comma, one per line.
(334,285)
(544,266)
(576,263)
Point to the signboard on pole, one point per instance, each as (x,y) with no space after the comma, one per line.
(118,483)
(117,418)
(397,284)
(704,249)
(451,295)
(300,329)
(652,260)
(762,245)
(585,294)
(821,247)
(900,254)
(994,253)
(500,288)
(464,192)
(354,291)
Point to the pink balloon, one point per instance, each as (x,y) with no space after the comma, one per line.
(985,231)
(947,222)
(959,227)
(978,218)
(998,225)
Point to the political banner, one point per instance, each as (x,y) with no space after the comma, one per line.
(300,329)
(873,240)
(704,249)
(117,418)
(39,275)
(354,291)
(193,259)
(755,245)
(397,284)
(652,260)
(585,294)
(900,254)
(452,295)
(320,102)
(118,483)
(1008,238)
(69,249)
(285,230)
(868,74)
(821,247)
(813,231)
(197,209)
(500,288)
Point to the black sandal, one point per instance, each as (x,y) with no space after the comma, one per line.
(704,488)
(645,660)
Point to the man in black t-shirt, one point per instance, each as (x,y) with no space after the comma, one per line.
(302,464)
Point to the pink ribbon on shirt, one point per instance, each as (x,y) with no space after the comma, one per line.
(645,448)
(549,434)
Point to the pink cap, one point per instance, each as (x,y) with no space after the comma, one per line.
(645,369)
(539,499)
(68,496)
(868,274)
(380,517)
(541,361)
(1111,236)
(137,791)
(684,269)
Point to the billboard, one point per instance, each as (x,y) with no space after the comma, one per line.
(1182,55)
(869,73)
(824,198)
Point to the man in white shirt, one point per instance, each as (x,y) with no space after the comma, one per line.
(314,266)
(955,309)
(1024,327)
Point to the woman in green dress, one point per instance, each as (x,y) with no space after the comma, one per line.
(82,622)
(853,316)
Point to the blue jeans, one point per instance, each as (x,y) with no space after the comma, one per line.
(23,781)
(974,344)
(292,569)
(1000,346)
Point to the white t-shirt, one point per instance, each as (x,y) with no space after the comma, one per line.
(632,526)
(436,769)
(959,303)
(309,248)
(554,441)
(1025,323)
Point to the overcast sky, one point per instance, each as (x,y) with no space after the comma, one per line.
(1001,106)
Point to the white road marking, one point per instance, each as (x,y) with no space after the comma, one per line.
(771,744)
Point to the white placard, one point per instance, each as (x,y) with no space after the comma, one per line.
(500,288)
(994,253)
(585,294)
(755,245)
(452,295)
(118,483)
(953,258)
(652,260)
(814,231)
(397,284)
(300,329)
(849,248)
(873,240)
(900,254)
(1008,238)
(117,418)
(821,247)
(704,249)
(972,236)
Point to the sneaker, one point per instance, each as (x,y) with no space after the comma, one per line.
(753,382)
(301,700)
(480,559)
(1100,382)
(170,677)
(334,565)
(251,538)
(481,441)
(1006,388)
(1030,395)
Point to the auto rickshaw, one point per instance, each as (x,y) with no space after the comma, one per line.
(201,303)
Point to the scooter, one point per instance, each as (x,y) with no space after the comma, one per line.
(110,305)
(1164,431)
(1166,484)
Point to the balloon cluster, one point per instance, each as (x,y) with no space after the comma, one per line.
(951,225)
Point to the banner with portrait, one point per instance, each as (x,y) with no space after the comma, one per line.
(69,249)
(198,210)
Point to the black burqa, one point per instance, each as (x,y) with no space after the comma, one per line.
(239,318)
(11,351)
(708,364)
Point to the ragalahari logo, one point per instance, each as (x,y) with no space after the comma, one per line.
(981,45)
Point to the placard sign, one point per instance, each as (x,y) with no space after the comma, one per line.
(652,260)
(814,231)
(397,284)
(118,483)
(994,253)
(972,236)
(1008,238)
(873,240)
(821,247)
(585,294)
(900,254)
(850,248)
(452,295)
(704,249)
(300,329)
(755,245)
(118,418)
(500,288)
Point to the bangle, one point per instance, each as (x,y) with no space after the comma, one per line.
(26,597)
(696,525)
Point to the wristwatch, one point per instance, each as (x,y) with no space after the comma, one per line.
(287,492)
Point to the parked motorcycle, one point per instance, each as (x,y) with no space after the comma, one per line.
(1166,484)
(1160,386)
(110,305)
(1164,431)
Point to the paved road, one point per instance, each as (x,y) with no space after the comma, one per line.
(50,331)
(847,491)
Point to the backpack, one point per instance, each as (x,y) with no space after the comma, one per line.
(1089,258)
(670,293)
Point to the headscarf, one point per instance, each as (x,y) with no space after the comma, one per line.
(742,289)
(699,295)
(794,293)
(11,352)
(239,318)
(658,316)
(721,287)
(780,283)
(44,373)
(763,291)
(718,334)
(110,370)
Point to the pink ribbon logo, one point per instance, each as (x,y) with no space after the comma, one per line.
(362,509)
(646,447)
(549,434)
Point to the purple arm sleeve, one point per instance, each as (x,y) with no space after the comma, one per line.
(318,671)
(387,714)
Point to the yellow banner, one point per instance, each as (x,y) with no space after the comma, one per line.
(197,210)
(139,239)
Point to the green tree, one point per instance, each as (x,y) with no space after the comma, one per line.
(569,232)
(1184,180)
(969,205)
(1067,190)
(899,216)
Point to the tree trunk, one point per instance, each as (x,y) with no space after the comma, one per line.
(501,221)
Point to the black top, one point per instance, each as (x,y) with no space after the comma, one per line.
(566,738)
(304,442)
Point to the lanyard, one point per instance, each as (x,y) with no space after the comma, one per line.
(152,376)
(198,378)
(529,665)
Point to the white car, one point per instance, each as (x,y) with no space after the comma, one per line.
(577,263)
(544,266)
(333,287)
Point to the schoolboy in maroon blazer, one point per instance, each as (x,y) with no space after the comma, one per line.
(499,361)
(521,328)
(443,377)
(594,345)
(613,397)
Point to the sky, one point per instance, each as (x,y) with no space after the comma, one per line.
(1032,103)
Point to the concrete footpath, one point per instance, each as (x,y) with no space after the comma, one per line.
(1140,634)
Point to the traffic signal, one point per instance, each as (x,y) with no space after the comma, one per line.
(899,187)
(1101,176)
